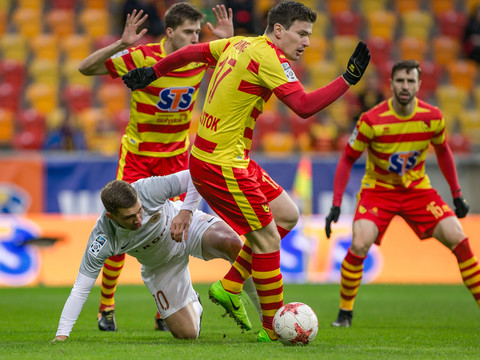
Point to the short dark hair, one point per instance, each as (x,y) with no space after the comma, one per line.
(178,13)
(408,65)
(118,194)
(285,13)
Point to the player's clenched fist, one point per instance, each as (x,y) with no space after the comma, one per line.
(139,78)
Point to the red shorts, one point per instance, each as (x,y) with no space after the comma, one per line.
(422,209)
(239,196)
(133,167)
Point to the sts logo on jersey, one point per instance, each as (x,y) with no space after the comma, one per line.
(175,99)
(401,162)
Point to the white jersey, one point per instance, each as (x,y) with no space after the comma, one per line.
(151,244)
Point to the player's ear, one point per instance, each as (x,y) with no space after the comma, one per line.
(110,215)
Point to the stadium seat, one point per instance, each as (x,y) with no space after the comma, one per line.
(298,125)
(471,5)
(122,118)
(96,4)
(476,97)
(27,139)
(381,24)
(32,119)
(441,6)
(44,71)
(369,6)
(412,48)
(451,23)
(323,73)
(14,46)
(269,121)
(76,46)
(417,24)
(451,100)
(337,6)
(45,46)
(380,50)
(318,51)
(3,21)
(12,72)
(74,77)
(6,5)
(61,22)
(470,125)
(28,21)
(405,6)
(63,4)
(95,22)
(322,25)
(7,127)
(36,5)
(113,97)
(462,73)
(343,47)
(42,97)
(432,75)
(445,50)
(77,97)
(103,41)
(10,96)
(323,133)
(346,23)
(278,143)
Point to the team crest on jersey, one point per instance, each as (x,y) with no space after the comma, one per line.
(175,99)
(97,245)
(119,54)
(289,72)
(155,218)
(401,162)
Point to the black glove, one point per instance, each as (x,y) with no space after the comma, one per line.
(461,207)
(357,64)
(333,215)
(139,78)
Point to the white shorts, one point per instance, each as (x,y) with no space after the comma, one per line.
(170,284)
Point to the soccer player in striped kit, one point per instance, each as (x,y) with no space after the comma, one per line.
(248,71)
(156,138)
(396,134)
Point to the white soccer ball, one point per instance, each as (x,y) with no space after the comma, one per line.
(295,324)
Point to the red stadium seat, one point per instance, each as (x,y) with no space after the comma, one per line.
(380,50)
(346,23)
(28,140)
(77,97)
(12,72)
(452,23)
(31,119)
(432,74)
(10,96)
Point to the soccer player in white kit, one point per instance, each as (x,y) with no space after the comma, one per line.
(140,220)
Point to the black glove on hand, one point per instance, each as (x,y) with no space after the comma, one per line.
(461,207)
(139,78)
(333,215)
(357,64)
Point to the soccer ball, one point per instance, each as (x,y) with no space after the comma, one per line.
(295,324)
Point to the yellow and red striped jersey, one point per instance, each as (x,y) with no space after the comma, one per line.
(397,145)
(248,71)
(160,114)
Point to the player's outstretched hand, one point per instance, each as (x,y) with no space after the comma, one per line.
(357,64)
(139,78)
(461,207)
(333,215)
(59,338)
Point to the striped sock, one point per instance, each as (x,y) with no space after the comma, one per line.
(469,268)
(352,272)
(240,271)
(269,283)
(111,272)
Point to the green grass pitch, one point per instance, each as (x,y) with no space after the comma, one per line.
(390,322)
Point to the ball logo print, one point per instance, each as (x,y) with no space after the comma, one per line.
(295,324)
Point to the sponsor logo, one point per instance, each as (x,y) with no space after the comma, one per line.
(289,72)
(97,245)
(176,99)
(266,207)
(209,121)
(401,162)
(119,54)
(13,199)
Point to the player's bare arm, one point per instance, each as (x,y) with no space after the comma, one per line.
(94,64)
(224,21)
